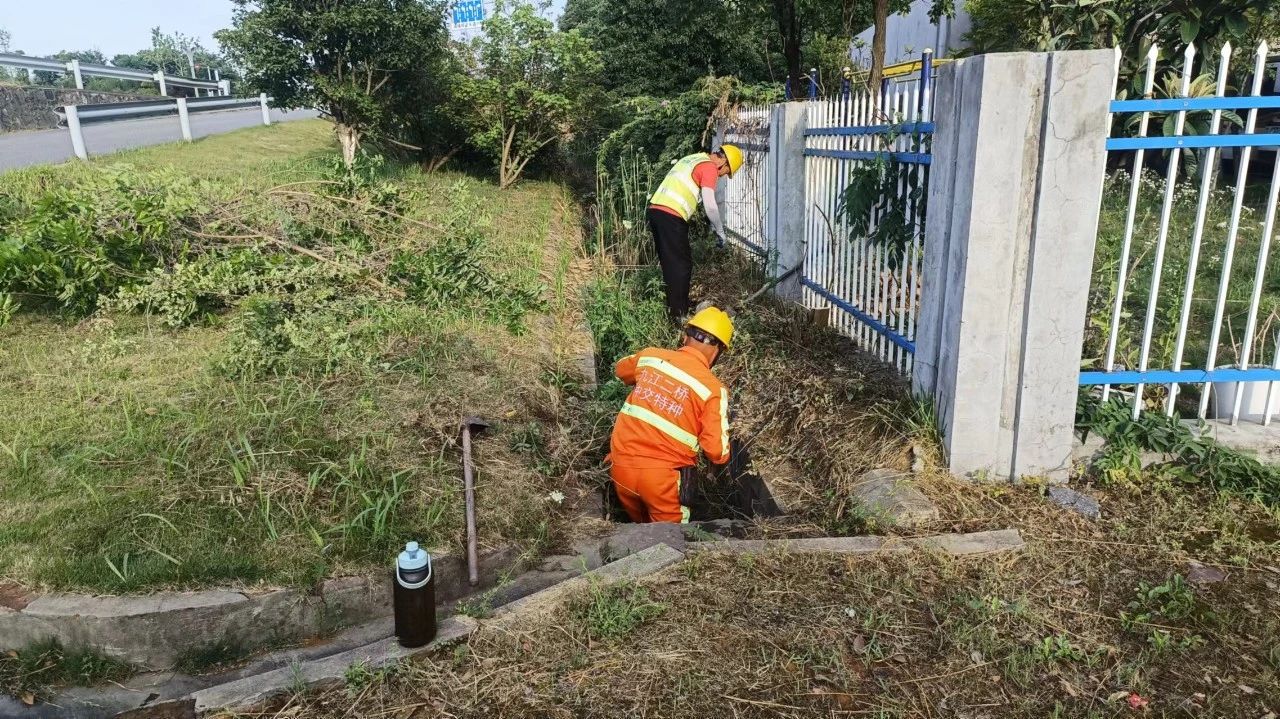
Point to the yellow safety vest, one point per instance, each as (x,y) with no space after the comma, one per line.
(678,191)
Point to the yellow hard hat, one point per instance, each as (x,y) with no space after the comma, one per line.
(715,322)
(733,154)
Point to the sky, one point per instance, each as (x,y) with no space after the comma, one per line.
(112,26)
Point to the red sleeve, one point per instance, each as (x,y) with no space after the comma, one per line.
(705,174)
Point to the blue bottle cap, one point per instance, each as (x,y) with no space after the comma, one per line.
(412,557)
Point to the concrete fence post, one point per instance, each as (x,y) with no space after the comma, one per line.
(164,88)
(266,111)
(77,137)
(74,68)
(1014,193)
(784,221)
(225,86)
(184,119)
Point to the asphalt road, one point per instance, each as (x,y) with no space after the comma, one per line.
(42,147)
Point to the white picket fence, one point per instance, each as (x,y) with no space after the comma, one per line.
(746,201)
(872,291)
(1184,325)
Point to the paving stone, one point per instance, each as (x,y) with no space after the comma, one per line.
(1075,501)
(892,495)
(960,545)
(180,709)
(837,545)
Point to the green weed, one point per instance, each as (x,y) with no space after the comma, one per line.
(30,674)
(615,611)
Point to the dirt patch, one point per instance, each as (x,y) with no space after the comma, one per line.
(14,596)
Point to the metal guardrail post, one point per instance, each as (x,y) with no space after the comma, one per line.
(266,111)
(74,67)
(164,89)
(77,137)
(184,119)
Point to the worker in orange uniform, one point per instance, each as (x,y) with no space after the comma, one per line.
(690,182)
(676,405)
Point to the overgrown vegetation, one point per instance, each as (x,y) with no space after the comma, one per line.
(1191,456)
(615,611)
(260,381)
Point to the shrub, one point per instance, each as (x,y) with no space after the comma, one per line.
(76,243)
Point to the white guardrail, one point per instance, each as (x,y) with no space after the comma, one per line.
(78,70)
(73,116)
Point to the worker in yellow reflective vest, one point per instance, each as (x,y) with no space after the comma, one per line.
(691,181)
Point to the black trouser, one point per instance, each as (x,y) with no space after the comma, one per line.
(671,238)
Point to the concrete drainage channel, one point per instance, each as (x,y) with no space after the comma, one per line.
(156,631)
(630,552)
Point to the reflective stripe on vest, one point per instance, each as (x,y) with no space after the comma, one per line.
(662,424)
(678,191)
(676,374)
(724,422)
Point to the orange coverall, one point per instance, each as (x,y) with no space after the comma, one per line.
(676,405)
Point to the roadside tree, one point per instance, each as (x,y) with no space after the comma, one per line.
(528,85)
(346,58)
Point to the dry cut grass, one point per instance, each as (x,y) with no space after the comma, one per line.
(1091,620)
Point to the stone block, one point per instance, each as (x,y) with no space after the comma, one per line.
(1077,502)
(957,544)
(960,545)
(892,496)
(822,545)
(629,539)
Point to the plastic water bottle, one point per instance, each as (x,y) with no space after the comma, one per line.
(414,597)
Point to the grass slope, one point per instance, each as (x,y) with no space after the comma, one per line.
(128,461)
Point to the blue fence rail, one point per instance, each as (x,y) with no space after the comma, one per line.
(1205,294)
(873,296)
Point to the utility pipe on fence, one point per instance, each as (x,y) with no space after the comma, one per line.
(77,137)
(266,111)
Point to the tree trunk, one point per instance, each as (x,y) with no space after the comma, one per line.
(789,28)
(881,21)
(349,139)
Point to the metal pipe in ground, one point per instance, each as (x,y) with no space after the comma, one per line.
(469,490)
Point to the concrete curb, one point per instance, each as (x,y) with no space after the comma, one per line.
(256,690)
(976,543)
(155,631)
(634,566)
